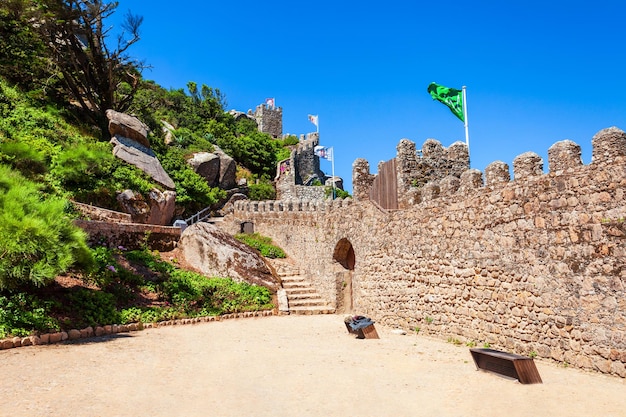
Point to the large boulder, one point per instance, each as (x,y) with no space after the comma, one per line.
(217,168)
(143,158)
(128,126)
(158,209)
(134,204)
(162,205)
(215,253)
(207,165)
(228,170)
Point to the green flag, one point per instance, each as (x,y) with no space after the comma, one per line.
(451,97)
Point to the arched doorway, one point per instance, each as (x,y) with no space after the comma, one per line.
(345,260)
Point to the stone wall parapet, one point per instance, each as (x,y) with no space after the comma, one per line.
(290,205)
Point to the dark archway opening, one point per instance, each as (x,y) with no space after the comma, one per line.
(345,261)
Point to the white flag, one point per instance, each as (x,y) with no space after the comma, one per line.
(313,119)
(270,102)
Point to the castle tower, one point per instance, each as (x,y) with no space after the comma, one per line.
(269,119)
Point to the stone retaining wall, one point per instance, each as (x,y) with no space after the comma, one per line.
(536,264)
(101,214)
(130,235)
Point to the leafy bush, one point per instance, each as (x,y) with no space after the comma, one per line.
(261,191)
(290,140)
(150,314)
(262,244)
(22,157)
(21,313)
(192,141)
(339,193)
(226,296)
(256,151)
(192,191)
(79,166)
(94,307)
(37,238)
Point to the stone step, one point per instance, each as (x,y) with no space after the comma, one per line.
(312,295)
(311,310)
(292,277)
(318,302)
(287,272)
(297,285)
(301,293)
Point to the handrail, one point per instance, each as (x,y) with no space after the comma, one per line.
(199,216)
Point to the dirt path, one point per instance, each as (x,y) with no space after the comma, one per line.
(284,366)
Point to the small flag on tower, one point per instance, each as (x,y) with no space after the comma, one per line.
(270,102)
(324,152)
(313,119)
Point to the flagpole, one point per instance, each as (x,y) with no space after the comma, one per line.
(332,164)
(465,118)
(317,125)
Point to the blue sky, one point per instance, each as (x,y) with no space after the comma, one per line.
(536,72)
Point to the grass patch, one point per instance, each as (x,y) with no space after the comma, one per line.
(262,244)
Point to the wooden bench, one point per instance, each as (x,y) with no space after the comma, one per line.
(510,365)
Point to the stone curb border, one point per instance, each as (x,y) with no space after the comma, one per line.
(89,332)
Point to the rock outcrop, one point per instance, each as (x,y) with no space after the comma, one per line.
(217,168)
(128,126)
(130,144)
(207,165)
(216,253)
(228,170)
(158,209)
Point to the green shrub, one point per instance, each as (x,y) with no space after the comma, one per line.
(261,191)
(150,260)
(339,193)
(21,313)
(262,244)
(199,295)
(150,314)
(22,157)
(192,191)
(94,307)
(291,140)
(37,238)
(227,296)
(81,165)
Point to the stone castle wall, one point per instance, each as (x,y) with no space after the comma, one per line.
(533,264)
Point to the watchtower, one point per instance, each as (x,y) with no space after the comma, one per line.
(269,119)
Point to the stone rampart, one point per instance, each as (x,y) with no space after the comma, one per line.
(534,264)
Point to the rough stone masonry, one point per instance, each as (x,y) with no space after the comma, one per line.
(536,264)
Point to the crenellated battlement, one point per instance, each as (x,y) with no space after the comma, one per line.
(307,143)
(414,187)
(291,205)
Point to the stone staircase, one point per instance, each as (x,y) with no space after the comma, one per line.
(302,298)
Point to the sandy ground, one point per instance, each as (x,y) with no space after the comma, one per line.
(284,366)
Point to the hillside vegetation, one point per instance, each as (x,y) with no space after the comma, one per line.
(60,70)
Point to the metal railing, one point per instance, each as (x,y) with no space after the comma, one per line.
(199,216)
